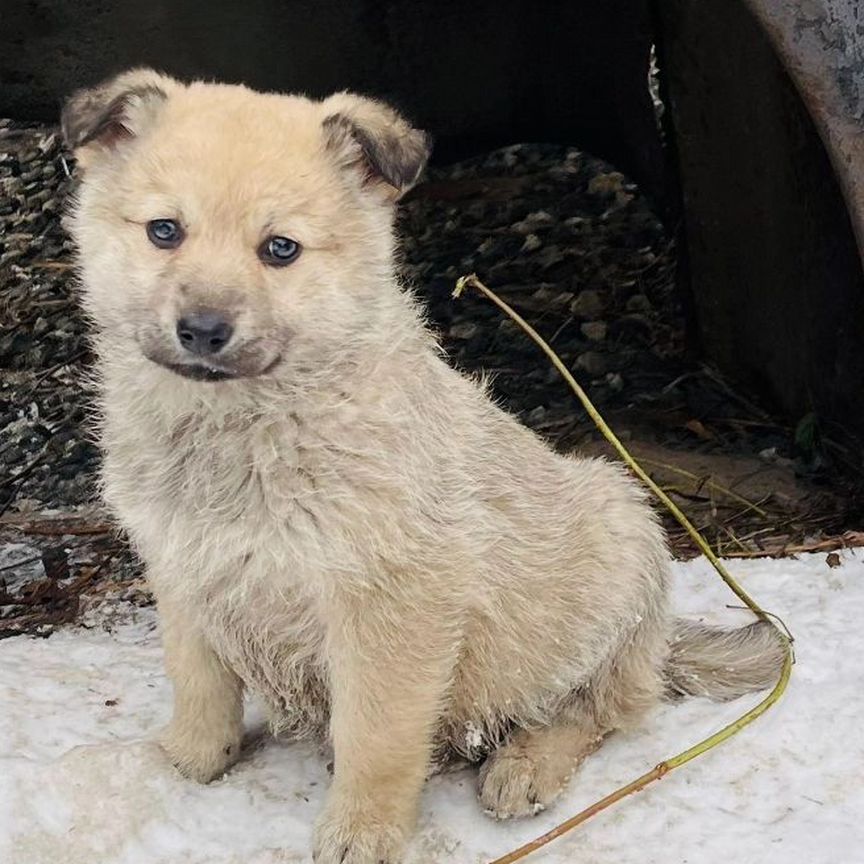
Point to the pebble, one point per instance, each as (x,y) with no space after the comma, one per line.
(510,158)
(549,257)
(535,416)
(14,455)
(545,295)
(641,322)
(594,331)
(615,381)
(532,222)
(592,362)
(607,185)
(488,247)
(476,211)
(532,243)
(464,330)
(639,303)
(588,304)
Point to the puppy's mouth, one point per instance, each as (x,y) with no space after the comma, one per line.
(251,359)
(211,372)
(200,372)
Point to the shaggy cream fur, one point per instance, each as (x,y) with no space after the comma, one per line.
(345,524)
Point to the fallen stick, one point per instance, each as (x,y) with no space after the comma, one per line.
(847,540)
(56,526)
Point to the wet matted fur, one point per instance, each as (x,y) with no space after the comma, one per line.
(338,520)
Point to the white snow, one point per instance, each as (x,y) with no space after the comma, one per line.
(82,783)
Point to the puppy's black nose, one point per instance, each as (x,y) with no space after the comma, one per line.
(204,332)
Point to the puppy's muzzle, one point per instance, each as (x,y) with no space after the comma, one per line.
(207,343)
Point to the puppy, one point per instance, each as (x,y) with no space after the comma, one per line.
(330,515)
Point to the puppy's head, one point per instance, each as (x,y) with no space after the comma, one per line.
(225,233)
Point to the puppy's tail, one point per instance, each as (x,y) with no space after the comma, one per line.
(723,663)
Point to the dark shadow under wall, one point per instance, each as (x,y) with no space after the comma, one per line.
(774,270)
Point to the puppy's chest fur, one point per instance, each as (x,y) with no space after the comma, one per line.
(239,522)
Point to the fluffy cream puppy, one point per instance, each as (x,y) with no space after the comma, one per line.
(330,515)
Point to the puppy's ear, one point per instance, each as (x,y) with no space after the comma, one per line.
(373,139)
(96,121)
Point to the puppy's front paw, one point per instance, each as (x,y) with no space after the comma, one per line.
(346,836)
(198,756)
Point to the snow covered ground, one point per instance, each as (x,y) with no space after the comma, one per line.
(82,783)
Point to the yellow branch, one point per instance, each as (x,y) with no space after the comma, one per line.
(727,731)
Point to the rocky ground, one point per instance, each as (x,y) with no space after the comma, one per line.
(562,236)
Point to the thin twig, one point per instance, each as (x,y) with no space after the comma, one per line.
(567,321)
(735,539)
(53,265)
(724,385)
(12,478)
(848,540)
(706,481)
(25,562)
(53,526)
(50,371)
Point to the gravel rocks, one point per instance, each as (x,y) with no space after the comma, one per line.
(569,242)
(44,449)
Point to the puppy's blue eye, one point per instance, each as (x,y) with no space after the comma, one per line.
(278,251)
(165,233)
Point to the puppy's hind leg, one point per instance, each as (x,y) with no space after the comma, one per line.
(531,769)
(204,735)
